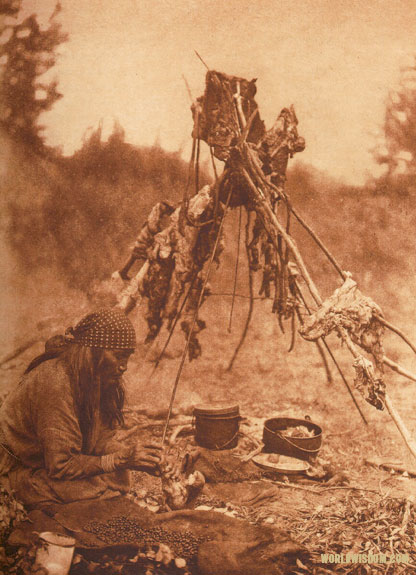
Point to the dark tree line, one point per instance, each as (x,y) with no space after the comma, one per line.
(27,52)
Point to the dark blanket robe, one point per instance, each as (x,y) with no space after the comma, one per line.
(229,546)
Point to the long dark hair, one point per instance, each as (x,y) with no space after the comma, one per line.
(82,364)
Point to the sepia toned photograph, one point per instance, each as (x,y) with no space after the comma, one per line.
(208,337)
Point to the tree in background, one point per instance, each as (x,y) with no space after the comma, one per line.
(398,153)
(27,52)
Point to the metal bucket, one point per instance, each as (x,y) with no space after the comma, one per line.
(275,440)
(217,425)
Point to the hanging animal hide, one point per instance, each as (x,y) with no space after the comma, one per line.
(218,122)
(347,308)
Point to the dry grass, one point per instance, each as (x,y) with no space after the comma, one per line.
(369,234)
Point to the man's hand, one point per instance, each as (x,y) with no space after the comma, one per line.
(141,457)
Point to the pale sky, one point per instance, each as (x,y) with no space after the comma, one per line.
(335,60)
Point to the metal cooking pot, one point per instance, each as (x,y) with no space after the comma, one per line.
(275,441)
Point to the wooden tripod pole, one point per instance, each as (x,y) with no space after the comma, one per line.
(410,442)
(273,228)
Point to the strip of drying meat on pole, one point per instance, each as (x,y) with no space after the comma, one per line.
(177,247)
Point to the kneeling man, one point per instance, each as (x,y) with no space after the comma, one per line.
(56,427)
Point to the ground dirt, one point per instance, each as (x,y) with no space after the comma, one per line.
(267,381)
(363,509)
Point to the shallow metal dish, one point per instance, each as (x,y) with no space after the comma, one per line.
(286,465)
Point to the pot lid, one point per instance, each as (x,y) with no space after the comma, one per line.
(219,408)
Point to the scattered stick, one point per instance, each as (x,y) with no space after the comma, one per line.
(217,187)
(300,487)
(282,287)
(346,487)
(406,515)
(269,493)
(251,438)
(388,465)
(179,429)
(323,489)
(287,252)
(249,456)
